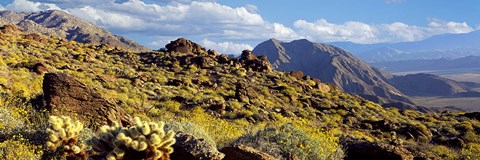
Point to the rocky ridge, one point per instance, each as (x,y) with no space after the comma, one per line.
(63,25)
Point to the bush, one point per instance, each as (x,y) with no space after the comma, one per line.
(288,139)
(190,129)
(471,151)
(19,148)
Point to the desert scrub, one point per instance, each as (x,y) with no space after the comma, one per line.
(143,140)
(288,139)
(190,129)
(471,151)
(13,114)
(19,148)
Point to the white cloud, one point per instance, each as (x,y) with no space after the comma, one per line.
(359,32)
(226,47)
(1,8)
(109,19)
(28,6)
(196,18)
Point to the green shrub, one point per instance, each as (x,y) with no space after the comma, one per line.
(19,148)
(288,139)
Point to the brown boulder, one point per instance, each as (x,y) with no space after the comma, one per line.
(206,62)
(188,147)
(376,151)
(40,68)
(297,74)
(223,58)
(65,95)
(183,45)
(248,56)
(242,152)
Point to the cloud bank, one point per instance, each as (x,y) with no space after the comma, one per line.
(202,19)
(322,30)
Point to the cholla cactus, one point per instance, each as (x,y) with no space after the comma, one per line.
(62,136)
(143,140)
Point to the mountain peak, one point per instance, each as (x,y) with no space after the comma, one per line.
(301,41)
(334,65)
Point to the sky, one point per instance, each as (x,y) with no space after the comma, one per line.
(230,26)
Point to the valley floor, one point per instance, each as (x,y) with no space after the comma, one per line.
(471,104)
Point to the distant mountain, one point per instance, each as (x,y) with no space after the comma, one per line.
(61,24)
(427,85)
(441,46)
(465,63)
(331,64)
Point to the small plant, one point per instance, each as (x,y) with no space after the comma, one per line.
(62,137)
(143,140)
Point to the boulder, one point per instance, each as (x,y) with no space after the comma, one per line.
(223,58)
(65,95)
(206,62)
(248,56)
(376,151)
(39,68)
(188,147)
(183,45)
(242,152)
(297,74)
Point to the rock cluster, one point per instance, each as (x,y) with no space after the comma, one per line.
(183,45)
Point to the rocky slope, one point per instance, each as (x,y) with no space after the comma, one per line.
(333,65)
(63,25)
(218,106)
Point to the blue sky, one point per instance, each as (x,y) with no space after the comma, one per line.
(233,25)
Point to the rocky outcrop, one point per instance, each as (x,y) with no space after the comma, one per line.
(242,152)
(65,95)
(251,61)
(183,45)
(370,150)
(188,147)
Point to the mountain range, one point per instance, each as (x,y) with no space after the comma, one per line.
(63,25)
(341,68)
(448,46)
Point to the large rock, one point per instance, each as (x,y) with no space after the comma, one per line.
(188,147)
(183,45)
(376,151)
(65,95)
(242,152)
